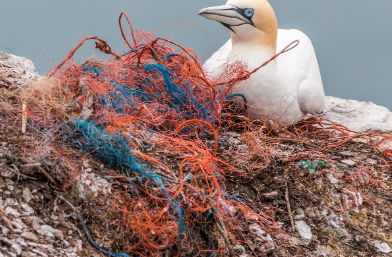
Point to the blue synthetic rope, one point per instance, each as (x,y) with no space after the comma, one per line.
(363,173)
(390,197)
(96,70)
(94,205)
(201,107)
(89,237)
(170,87)
(169,55)
(122,97)
(181,98)
(94,244)
(115,151)
(241,95)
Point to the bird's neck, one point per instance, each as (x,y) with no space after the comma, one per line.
(255,42)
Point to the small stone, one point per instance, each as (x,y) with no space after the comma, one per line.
(348,162)
(360,140)
(11,202)
(21,241)
(304,230)
(17,231)
(86,163)
(26,254)
(348,154)
(233,141)
(323,251)
(13,212)
(6,241)
(28,210)
(7,222)
(11,254)
(239,249)
(29,236)
(17,249)
(70,250)
(79,245)
(39,252)
(300,214)
(340,232)
(256,229)
(32,244)
(243,148)
(260,236)
(58,234)
(7,173)
(10,183)
(4,230)
(66,243)
(298,241)
(27,196)
(332,179)
(318,182)
(48,231)
(352,199)
(268,247)
(18,224)
(382,247)
(271,195)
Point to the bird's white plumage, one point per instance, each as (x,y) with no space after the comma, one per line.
(288,92)
(287,89)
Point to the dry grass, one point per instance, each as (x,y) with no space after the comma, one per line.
(46,96)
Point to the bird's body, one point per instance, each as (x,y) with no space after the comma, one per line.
(289,87)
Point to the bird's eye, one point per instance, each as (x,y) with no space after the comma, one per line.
(249,12)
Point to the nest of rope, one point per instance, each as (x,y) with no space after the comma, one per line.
(145,142)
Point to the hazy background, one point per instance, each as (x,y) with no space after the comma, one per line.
(352,38)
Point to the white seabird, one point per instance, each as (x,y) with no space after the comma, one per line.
(289,87)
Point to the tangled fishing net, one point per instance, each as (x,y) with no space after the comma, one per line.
(115,130)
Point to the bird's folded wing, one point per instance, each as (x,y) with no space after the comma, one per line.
(302,70)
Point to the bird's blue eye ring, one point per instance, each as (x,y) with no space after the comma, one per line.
(249,12)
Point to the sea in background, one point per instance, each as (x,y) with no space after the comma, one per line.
(352,38)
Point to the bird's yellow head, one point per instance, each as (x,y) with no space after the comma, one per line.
(252,21)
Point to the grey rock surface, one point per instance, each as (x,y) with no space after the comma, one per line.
(10,63)
(358,116)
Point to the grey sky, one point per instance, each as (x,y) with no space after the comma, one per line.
(352,38)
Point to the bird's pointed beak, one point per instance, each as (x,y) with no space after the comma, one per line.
(226,14)
(216,11)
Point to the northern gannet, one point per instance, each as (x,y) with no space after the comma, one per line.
(289,87)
